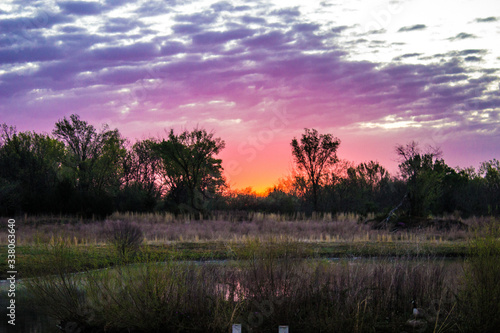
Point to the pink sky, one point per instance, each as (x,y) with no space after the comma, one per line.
(374,74)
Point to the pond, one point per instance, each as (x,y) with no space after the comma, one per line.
(28,320)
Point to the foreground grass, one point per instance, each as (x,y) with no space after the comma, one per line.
(269,284)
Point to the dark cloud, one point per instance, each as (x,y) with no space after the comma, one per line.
(487,19)
(251,19)
(186,28)
(408,55)
(306,27)
(171,48)
(473,59)
(70,29)
(413,28)
(242,8)
(155,8)
(222,6)
(216,37)
(287,12)
(42,20)
(81,7)
(270,39)
(471,51)
(339,29)
(30,54)
(461,36)
(133,52)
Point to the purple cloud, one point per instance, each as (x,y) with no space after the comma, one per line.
(216,37)
(80,7)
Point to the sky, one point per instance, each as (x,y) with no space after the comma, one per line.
(372,73)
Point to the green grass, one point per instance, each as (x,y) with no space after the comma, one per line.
(29,258)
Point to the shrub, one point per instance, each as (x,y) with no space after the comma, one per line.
(125,237)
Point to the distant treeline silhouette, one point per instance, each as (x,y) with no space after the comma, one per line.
(85,171)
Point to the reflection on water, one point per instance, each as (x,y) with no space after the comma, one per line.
(27,320)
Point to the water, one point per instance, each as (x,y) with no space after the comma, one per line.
(27,319)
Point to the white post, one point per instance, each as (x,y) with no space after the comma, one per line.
(237,328)
(283,329)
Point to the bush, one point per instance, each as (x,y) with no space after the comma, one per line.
(125,237)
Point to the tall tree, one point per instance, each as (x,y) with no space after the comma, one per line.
(313,155)
(29,170)
(95,159)
(423,173)
(142,177)
(491,171)
(190,165)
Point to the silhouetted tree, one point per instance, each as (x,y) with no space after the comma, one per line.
(95,160)
(313,155)
(192,171)
(29,167)
(423,174)
(491,172)
(142,178)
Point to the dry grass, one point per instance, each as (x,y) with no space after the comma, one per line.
(164,228)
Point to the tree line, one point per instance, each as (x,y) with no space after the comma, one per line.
(82,170)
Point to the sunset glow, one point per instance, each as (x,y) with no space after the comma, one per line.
(372,73)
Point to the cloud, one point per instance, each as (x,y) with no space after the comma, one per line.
(155,8)
(471,51)
(30,54)
(413,28)
(461,36)
(339,29)
(42,20)
(473,59)
(216,37)
(120,25)
(186,28)
(252,19)
(81,8)
(486,19)
(287,12)
(271,39)
(202,18)
(222,6)
(407,55)
(306,27)
(133,52)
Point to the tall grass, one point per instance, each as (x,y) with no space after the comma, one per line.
(480,296)
(161,228)
(268,286)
